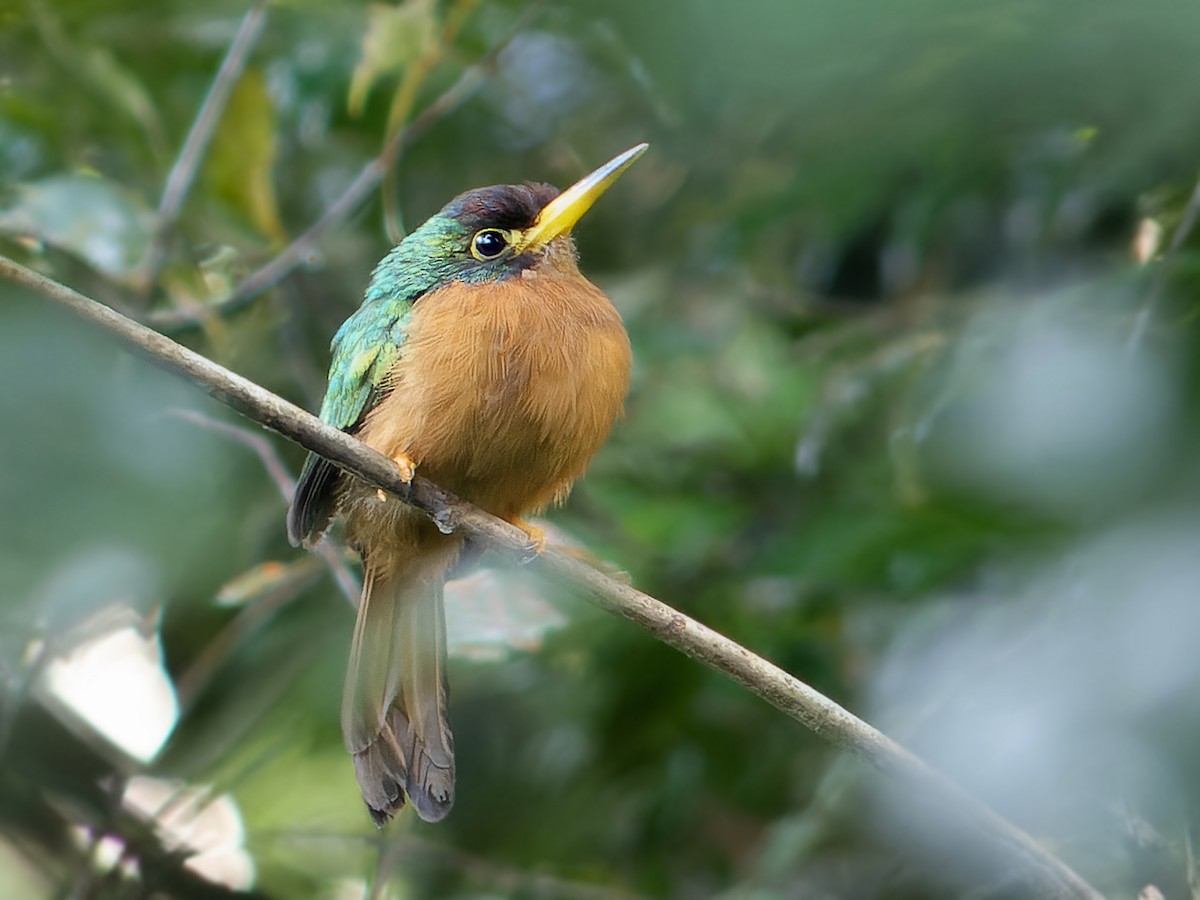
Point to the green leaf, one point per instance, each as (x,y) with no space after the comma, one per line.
(260,580)
(86,215)
(241,160)
(395,37)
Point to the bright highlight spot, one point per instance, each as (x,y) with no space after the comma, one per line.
(188,820)
(115,682)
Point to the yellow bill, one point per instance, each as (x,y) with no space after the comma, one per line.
(560,214)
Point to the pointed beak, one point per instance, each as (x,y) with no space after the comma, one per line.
(560,214)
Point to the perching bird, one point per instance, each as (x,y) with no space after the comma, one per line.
(482,358)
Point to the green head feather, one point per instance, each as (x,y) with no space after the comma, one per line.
(442,250)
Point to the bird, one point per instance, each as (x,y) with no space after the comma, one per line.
(484,359)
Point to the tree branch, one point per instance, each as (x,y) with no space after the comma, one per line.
(403,100)
(366,181)
(1141,322)
(286,484)
(179,180)
(49,762)
(1025,861)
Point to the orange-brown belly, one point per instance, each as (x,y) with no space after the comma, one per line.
(503,393)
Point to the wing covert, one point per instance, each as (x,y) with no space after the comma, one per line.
(365,349)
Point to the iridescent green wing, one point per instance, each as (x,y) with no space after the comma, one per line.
(364,350)
(369,343)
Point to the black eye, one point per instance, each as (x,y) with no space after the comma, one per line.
(489,243)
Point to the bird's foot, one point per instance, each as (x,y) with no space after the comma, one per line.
(408,468)
(537,536)
(408,471)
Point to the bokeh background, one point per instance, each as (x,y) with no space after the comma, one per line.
(914,415)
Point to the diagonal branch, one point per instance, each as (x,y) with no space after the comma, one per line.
(402,104)
(179,180)
(1141,322)
(358,190)
(269,457)
(1040,873)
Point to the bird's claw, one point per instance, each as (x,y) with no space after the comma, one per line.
(537,537)
(408,471)
(408,468)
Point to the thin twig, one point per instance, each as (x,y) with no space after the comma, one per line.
(179,180)
(410,848)
(262,448)
(502,878)
(358,190)
(403,101)
(200,672)
(383,868)
(36,790)
(1142,321)
(273,463)
(1192,871)
(1043,874)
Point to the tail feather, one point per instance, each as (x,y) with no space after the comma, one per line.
(394,709)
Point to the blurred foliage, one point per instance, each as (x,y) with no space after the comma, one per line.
(894,425)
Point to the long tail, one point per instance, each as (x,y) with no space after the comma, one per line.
(394,708)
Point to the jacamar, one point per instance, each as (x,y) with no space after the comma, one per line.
(482,357)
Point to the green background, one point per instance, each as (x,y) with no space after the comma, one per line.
(894,425)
